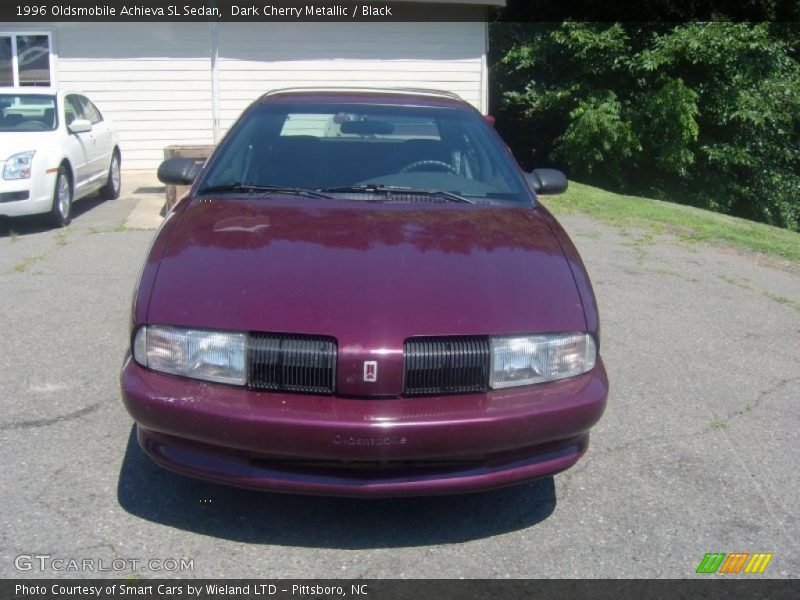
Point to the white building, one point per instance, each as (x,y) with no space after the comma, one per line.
(185,83)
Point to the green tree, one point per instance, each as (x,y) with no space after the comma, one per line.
(705,113)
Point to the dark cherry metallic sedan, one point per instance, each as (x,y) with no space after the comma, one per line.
(361,295)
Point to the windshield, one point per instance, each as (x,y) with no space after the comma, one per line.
(27,112)
(357,150)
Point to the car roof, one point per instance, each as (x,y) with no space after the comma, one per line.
(366,95)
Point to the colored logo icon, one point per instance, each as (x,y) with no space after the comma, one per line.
(735,562)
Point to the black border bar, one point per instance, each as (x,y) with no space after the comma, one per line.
(715,588)
(224,11)
(38,11)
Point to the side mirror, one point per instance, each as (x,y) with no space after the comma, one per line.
(178,171)
(80,126)
(547,181)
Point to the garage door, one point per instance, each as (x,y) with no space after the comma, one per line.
(259,57)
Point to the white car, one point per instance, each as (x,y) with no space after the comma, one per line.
(55,148)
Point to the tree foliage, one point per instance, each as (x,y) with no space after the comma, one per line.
(704,113)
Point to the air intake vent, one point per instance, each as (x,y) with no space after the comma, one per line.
(446,365)
(292,363)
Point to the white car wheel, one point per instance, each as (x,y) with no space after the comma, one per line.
(62,199)
(113,185)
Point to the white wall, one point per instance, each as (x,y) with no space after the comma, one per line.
(154,80)
(429,55)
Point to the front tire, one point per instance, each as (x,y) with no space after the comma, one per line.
(60,214)
(111,190)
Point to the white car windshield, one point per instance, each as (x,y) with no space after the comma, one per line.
(27,112)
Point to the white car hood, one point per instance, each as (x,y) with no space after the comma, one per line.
(13,142)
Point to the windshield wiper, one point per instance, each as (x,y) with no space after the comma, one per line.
(388,190)
(252,188)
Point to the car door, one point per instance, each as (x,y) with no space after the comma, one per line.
(100,141)
(76,144)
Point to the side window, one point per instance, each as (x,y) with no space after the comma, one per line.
(90,110)
(72,109)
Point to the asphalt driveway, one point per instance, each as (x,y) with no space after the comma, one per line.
(697,452)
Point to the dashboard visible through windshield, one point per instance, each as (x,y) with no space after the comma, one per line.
(27,112)
(358,150)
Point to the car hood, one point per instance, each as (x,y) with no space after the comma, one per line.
(368,274)
(12,142)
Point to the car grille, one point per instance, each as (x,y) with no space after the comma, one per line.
(446,365)
(292,363)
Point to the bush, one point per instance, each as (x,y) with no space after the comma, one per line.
(703,113)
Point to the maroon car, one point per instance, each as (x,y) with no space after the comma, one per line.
(361,295)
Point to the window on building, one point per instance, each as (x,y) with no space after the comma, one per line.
(25,59)
(353,125)
(6,65)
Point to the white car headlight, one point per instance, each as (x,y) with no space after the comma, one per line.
(523,360)
(18,166)
(217,356)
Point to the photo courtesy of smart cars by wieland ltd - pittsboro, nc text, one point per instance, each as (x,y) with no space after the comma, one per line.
(185,589)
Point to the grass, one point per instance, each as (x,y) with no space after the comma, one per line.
(26,264)
(118,228)
(783,300)
(736,282)
(687,222)
(774,297)
(670,272)
(638,244)
(719,424)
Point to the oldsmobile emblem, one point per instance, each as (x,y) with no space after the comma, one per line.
(370,371)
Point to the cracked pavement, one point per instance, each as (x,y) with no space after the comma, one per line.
(697,451)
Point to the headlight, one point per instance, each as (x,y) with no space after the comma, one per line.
(209,355)
(539,358)
(19,166)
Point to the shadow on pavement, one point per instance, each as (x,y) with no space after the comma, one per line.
(38,223)
(151,189)
(150,492)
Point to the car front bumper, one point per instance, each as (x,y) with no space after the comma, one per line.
(362,447)
(38,192)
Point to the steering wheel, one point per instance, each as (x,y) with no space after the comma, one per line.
(429,163)
(31,126)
